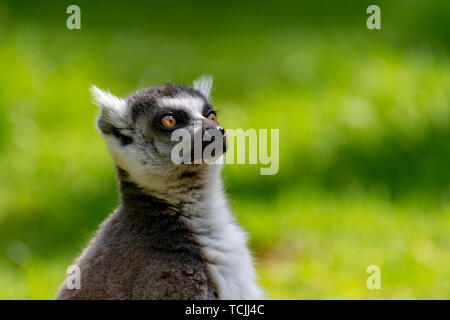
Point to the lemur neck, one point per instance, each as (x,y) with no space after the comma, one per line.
(179,190)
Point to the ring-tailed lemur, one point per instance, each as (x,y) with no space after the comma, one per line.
(173,236)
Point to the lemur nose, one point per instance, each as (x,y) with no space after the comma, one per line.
(212,137)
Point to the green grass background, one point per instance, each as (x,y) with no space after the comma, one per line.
(364,121)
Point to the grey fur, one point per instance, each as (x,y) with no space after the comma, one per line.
(142,251)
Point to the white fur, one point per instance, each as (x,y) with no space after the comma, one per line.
(107,100)
(224,246)
(185,102)
(204,85)
(130,159)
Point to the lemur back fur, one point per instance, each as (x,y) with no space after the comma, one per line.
(172,236)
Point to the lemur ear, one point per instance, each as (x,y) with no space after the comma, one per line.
(204,85)
(107,101)
(113,108)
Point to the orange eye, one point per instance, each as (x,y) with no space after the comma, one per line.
(212,117)
(168,121)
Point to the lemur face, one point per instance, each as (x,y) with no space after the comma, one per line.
(139,129)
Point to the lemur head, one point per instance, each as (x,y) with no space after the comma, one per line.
(139,129)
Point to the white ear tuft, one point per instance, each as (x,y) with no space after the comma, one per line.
(107,101)
(204,85)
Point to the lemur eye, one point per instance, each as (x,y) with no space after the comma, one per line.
(212,117)
(168,121)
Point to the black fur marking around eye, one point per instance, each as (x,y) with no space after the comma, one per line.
(144,101)
(207,110)
(181,117)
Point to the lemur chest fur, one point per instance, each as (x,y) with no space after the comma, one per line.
(223,245)
(206,221)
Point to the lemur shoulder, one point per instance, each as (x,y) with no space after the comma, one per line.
(173,235)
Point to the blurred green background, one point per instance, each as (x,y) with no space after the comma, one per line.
(364,121)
